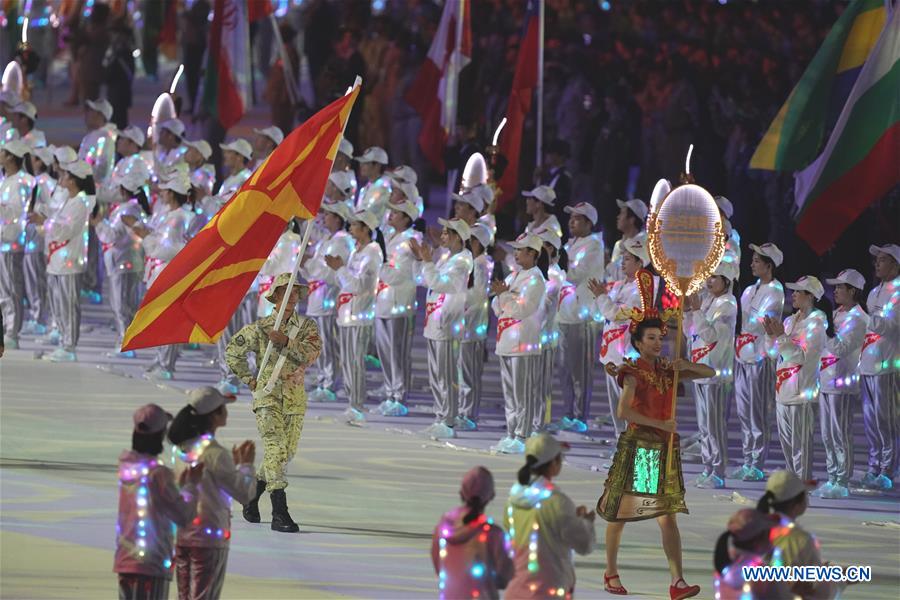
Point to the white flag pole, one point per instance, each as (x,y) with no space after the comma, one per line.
(453,94)
(290,286)
(540,84)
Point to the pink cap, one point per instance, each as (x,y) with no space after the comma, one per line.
(151,418)
(748,523)
(478,482)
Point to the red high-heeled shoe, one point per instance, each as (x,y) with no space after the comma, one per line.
(618,590)
(679,593)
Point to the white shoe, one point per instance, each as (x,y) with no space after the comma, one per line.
(10,343)
(836,491)
(354,416)
(379,410)
(713,482)
(61,355)
(158,374)
(439,431)
(822,490)
(322,395)
(464,424)
(395,409)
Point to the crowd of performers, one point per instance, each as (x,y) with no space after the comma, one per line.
(125,203)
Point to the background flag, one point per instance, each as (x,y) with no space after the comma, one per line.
(795,137)
(525,82)
(195,296)
(433,93)
(226,84)
(861,161)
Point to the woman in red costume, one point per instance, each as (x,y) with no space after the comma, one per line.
(639,486)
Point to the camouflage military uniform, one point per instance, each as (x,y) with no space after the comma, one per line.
(280,412)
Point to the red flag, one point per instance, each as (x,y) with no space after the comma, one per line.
(226,86)
(195,296)
(258,9)
(524,83)
(433,94)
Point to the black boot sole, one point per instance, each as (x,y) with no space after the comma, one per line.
(286,528)
(253,517)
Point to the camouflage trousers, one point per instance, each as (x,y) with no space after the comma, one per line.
(280,435)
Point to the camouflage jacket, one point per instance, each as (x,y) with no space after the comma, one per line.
(299,353)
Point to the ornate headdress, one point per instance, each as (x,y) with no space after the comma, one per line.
(648,310)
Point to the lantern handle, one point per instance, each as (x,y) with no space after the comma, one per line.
(687,161)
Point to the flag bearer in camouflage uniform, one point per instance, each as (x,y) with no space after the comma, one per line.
(279,399)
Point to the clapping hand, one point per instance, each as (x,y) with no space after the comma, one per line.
(583,512)
(597,288)
(334,262)
(36,218)
(693,302)
(193,475)
(244,454)
(774,327)
(498,287)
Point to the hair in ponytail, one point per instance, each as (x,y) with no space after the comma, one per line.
(378,238)
(476,508)
(471,283)
(721,556)
(543,263)
(187,424)
(525,472)
(141,198)
(563,259)
(767,503)
(825,306)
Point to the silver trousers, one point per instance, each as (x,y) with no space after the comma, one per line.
(93,271)
(836,420)
(443,361)
(244,315)
(167,356)
(546,387)
(754,392)
(124,298)
(471,369)
(35,270)
(795,430)
(329,357)
(614,391)
(712,400)
(12,293)
(200,572)
(879,396)
(576,364)
(520,377)
(65,304)
(393,342)
(354,342)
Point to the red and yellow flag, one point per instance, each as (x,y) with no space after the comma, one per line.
(195,296)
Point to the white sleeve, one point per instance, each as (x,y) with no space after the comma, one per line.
(446,280)
(527,302)
(580,270)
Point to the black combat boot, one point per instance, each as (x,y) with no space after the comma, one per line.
(251,509)
(281,519)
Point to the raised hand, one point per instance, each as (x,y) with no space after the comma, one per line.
(597,288)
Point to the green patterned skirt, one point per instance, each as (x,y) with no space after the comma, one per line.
(637,486)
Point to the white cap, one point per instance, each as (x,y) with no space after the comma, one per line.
(636,206)
(101,106)
(769,250)
(585,210)
(471,199)
(343,181)
(201,146)
(373,154)
(409,190)
(132,180)
(544,447)
(150,418)
(45,153)
(728,267)
(366,218)
(457,225)
(528,240)
(134,134)
(482,233)
(179,184)
(10,98)
(339,208)
(207,399)
(850,277)
(16,148)
(173,125)
(407,207)
(542,193)
(199,180)
(273,133)
(549,236)
(810,284)
(239,145)
(78,168)
(784,486)
(26,108)
(404,174)
(64,154)
(638,246)
(724,205)
(889,249)
(345,147)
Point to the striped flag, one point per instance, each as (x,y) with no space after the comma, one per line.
(226,86)
(861,161)
(795,137)
(435,90)
(525,81)
(195,296)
